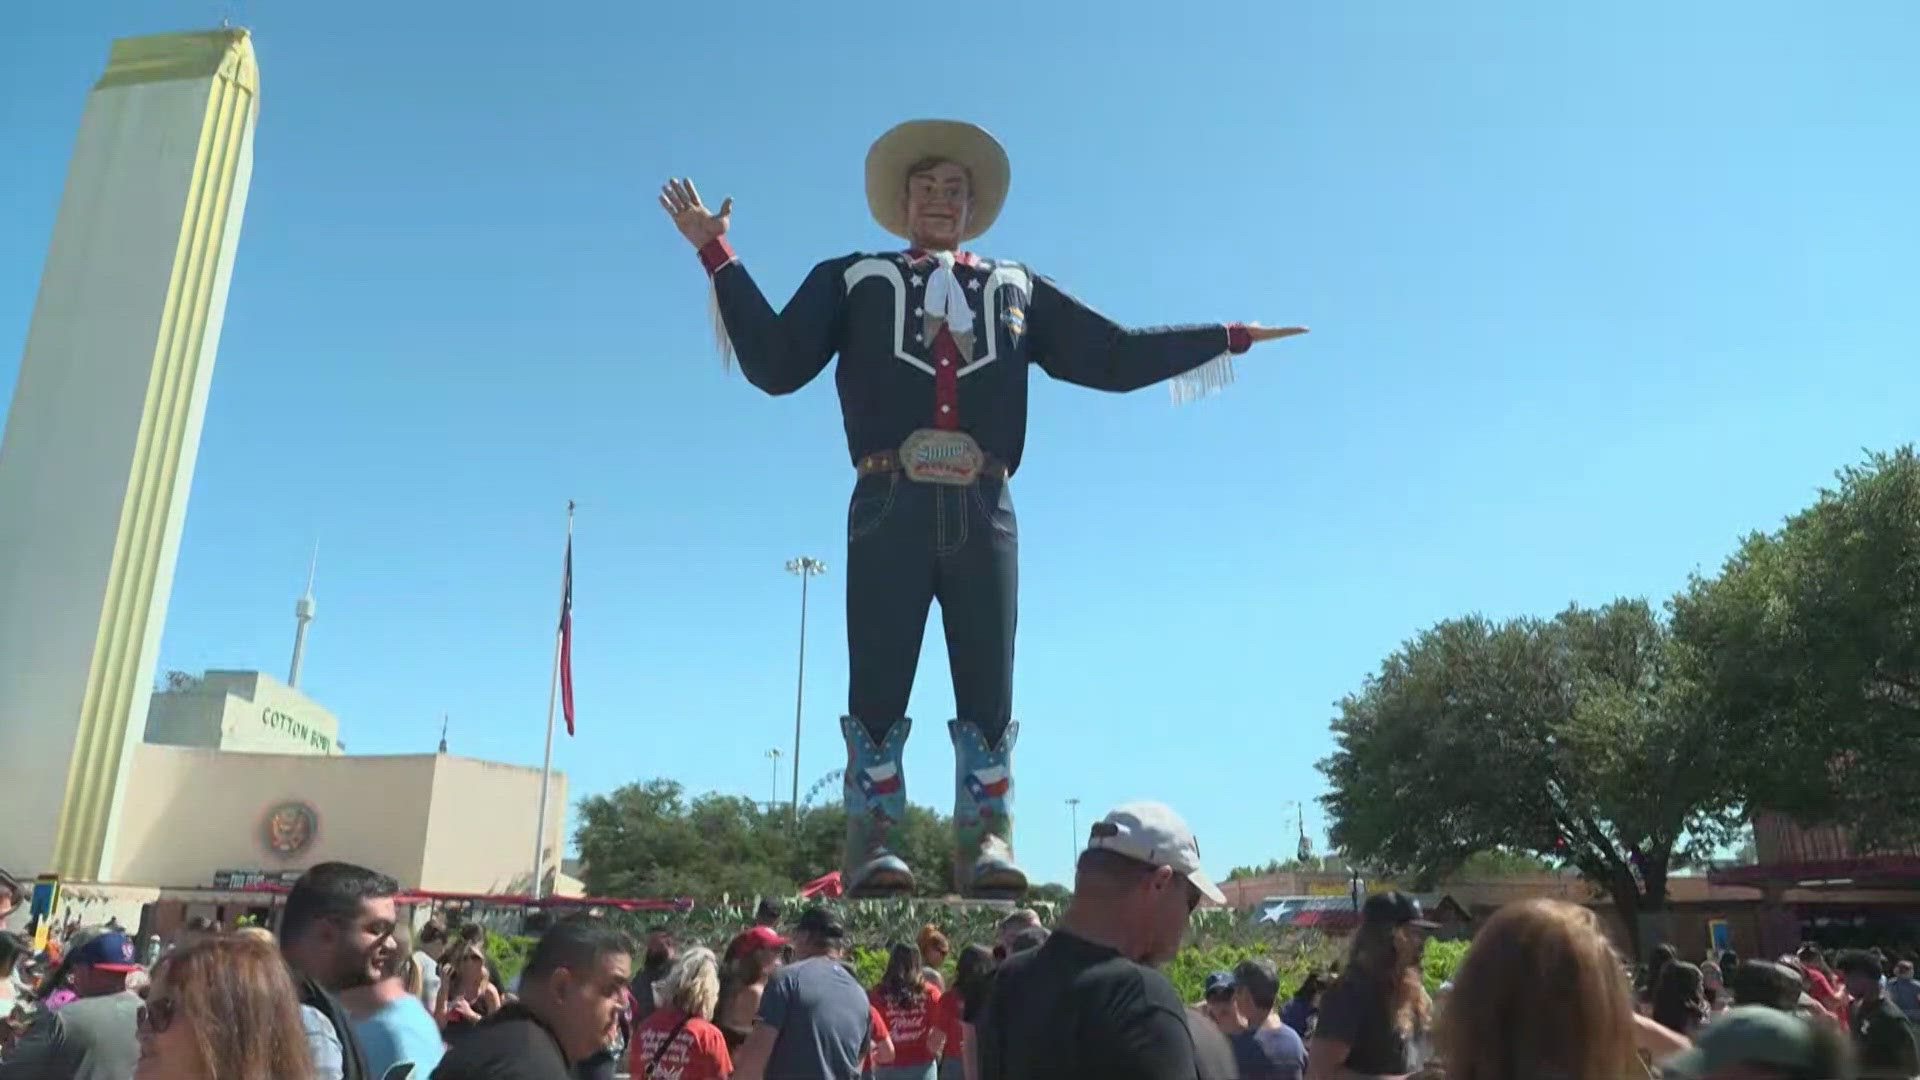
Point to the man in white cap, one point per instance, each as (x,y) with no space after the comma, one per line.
(934,344)
(1089,1003)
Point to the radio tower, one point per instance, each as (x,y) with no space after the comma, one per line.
(302,615)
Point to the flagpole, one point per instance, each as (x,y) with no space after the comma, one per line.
(553,693)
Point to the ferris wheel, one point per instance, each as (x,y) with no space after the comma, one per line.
(813,793)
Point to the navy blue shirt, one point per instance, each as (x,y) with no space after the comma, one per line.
(867,309)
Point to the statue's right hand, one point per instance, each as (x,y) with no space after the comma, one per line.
(698,224)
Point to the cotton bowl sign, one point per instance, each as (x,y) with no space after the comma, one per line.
(289,828)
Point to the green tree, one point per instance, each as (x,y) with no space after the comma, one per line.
(1572,739)
(1808,646)
(1500,863)
(648,839)
(1048,892)
(1273,866)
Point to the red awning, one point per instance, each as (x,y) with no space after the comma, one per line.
(522,900)
(827,885)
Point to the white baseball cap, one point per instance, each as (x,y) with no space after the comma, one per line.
(1152,833)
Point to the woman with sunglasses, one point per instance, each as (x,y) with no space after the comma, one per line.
(467,993)
(222,1008)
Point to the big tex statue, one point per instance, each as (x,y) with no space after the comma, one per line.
(934,344)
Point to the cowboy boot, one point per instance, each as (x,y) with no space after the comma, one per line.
(983,813)
(875,790)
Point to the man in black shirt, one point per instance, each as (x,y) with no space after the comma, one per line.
(1089,1003)
(570,997)
(1882,1036)
(336,933)
(659,959)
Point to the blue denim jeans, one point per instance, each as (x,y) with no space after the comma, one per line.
(909,544)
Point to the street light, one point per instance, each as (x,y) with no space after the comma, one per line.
(773,792)
(1073,808)
(806,566)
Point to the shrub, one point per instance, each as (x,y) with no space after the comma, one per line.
(1216,939)
(509,954)
(1442,960)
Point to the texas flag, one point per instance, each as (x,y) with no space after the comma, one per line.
(881,779)
(988,783)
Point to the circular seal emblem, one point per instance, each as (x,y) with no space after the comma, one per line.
(289,828)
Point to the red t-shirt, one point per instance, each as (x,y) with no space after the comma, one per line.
(698,1052)
(909,1024)
(878,1035)
(946,1017)
(1823,990)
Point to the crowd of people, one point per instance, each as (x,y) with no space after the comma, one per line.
(347,990)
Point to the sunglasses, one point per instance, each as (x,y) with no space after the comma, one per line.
(155,1016)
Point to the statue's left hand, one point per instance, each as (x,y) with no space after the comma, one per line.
(1271,333)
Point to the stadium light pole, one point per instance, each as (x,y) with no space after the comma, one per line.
(773,792)
(806,566)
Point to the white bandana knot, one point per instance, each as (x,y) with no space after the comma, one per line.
(946,299)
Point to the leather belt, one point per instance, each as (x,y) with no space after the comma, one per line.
(886,461)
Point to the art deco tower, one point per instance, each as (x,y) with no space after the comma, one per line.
(98,451)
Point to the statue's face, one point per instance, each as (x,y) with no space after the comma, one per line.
(939,204)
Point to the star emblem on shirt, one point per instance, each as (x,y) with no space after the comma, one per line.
(916,279)
(974,284)
(918,311)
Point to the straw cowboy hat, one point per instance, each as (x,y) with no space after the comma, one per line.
(964,144)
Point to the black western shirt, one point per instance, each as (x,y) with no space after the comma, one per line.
(869,310)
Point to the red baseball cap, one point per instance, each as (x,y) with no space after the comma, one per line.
(759,937)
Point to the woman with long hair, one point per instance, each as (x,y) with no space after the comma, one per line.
(678,1039)
(1657,961)
(972,979)
(1680,998)
(467,993)
(907,1002)
(1540,993)
(1373,1021)
(222,1008)
(753,957)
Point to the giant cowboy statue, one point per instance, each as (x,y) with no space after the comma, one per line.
(934,344)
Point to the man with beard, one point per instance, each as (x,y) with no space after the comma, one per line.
(654,967)
(336,933)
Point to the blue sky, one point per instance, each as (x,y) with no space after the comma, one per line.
(1593,292)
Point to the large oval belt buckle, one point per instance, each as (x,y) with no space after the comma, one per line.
(932,456)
